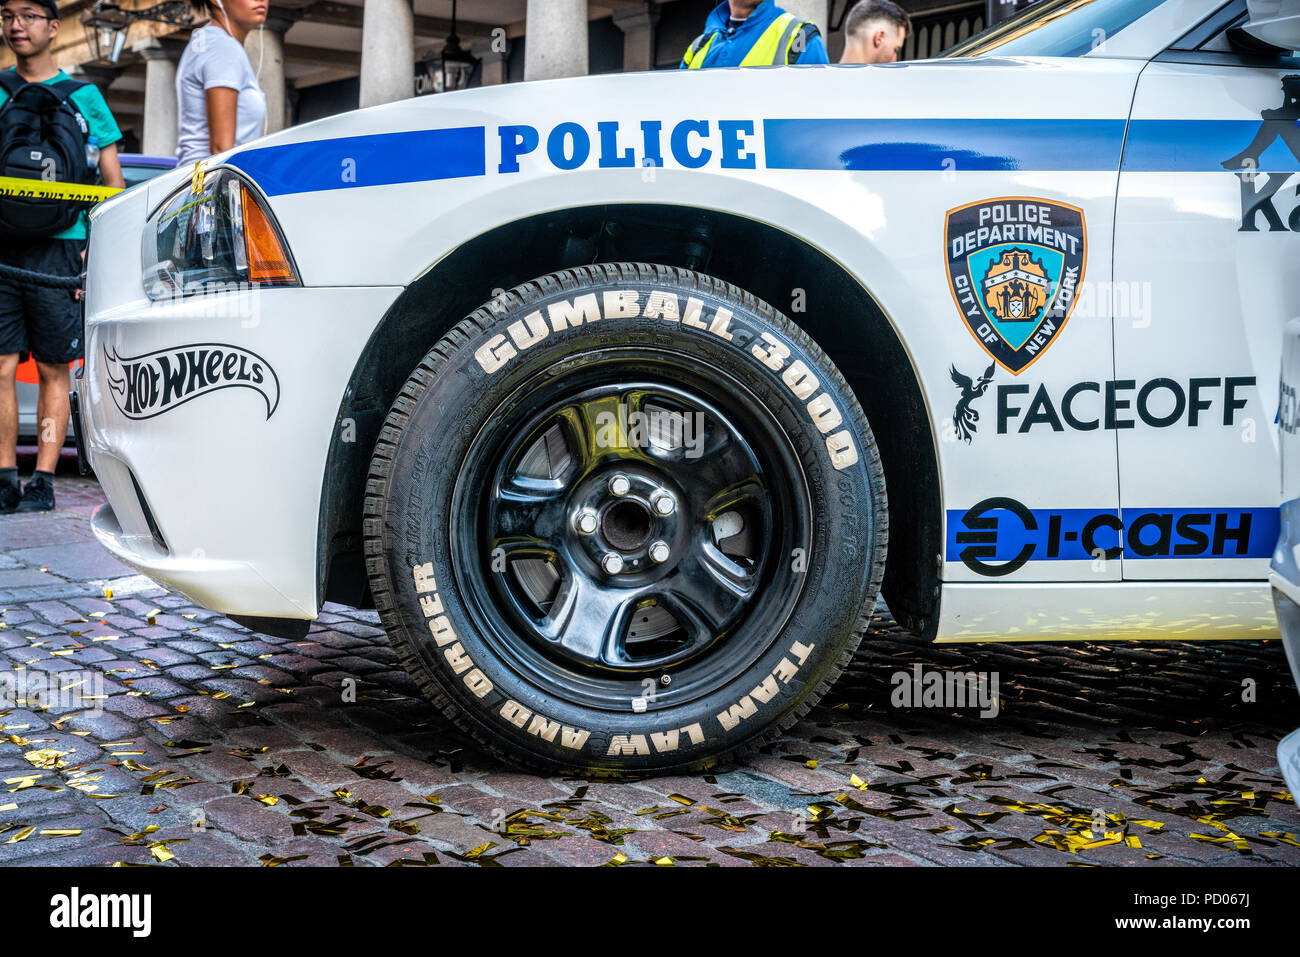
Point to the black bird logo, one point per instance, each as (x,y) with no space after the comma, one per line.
(965,417)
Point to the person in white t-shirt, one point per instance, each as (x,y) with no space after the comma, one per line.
(221,104)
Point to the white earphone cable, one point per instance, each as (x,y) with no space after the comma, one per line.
(261,51)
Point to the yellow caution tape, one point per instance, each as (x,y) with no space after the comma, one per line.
(42,189)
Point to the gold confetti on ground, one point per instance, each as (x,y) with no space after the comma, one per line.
(47,758)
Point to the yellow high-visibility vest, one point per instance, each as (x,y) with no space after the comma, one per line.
(772,48)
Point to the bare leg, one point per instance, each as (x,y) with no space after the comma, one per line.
(1269,130)
(51,414)
(8,411)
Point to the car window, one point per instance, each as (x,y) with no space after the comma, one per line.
(1065,28)
(1220,39)
(135,175)
(1230,40)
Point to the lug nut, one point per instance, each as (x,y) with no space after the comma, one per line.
(660,552)
(613,564)
(663,503)
(586,521)
(619,485)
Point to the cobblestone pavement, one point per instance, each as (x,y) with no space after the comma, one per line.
(218,746)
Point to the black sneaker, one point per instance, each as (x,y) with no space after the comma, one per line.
(10,495)
(38,496)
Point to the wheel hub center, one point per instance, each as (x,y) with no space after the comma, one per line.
(626,525)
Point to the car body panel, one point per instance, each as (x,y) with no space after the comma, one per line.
(1214,293)
(233,477)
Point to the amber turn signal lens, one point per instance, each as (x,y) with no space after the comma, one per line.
(267,261)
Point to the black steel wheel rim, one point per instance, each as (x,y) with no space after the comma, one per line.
(627,532)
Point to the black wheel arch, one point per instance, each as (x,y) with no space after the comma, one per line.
(755,256)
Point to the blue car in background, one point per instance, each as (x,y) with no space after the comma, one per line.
(136,168)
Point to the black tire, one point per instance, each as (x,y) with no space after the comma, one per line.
(761,480)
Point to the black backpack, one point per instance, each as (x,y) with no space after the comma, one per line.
(42,136)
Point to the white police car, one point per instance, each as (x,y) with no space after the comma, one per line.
(573,379)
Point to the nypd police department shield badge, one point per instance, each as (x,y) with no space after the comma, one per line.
(1014,268)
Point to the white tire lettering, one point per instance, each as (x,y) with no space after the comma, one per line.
(843,452)
(691,317)
(528,331)
(620,744)
(661,305)
(494,353)
(478,683)
(721,320)
(440,629)
(800,380)
(573,312)
(515,713)
(767,689)
(738,712)
(771,351)
(543,727)
(824,414)
(442,633)
(456,657)
(774,358)
(622,304)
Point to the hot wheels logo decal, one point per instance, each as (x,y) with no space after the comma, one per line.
(148,385)
(1014,267)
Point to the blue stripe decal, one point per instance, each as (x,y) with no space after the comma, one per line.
(379,160)
(853,144)
(944,144)
(998,534)
(1197,146)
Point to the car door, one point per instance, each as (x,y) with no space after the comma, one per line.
(1206,263)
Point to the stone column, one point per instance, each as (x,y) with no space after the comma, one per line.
(638,26)
(494,68)
(387,52)
(161,114)
(265,49)
(555,42)
(100,76)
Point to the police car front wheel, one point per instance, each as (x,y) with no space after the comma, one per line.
(626,518)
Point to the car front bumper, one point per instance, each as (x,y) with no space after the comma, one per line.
(1286,602)
(1284,576)
(213,468)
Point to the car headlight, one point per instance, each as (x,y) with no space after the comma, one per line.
(217,238)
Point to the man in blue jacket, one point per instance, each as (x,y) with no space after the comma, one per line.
(750,33)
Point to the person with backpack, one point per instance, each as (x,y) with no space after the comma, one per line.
(52,128)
